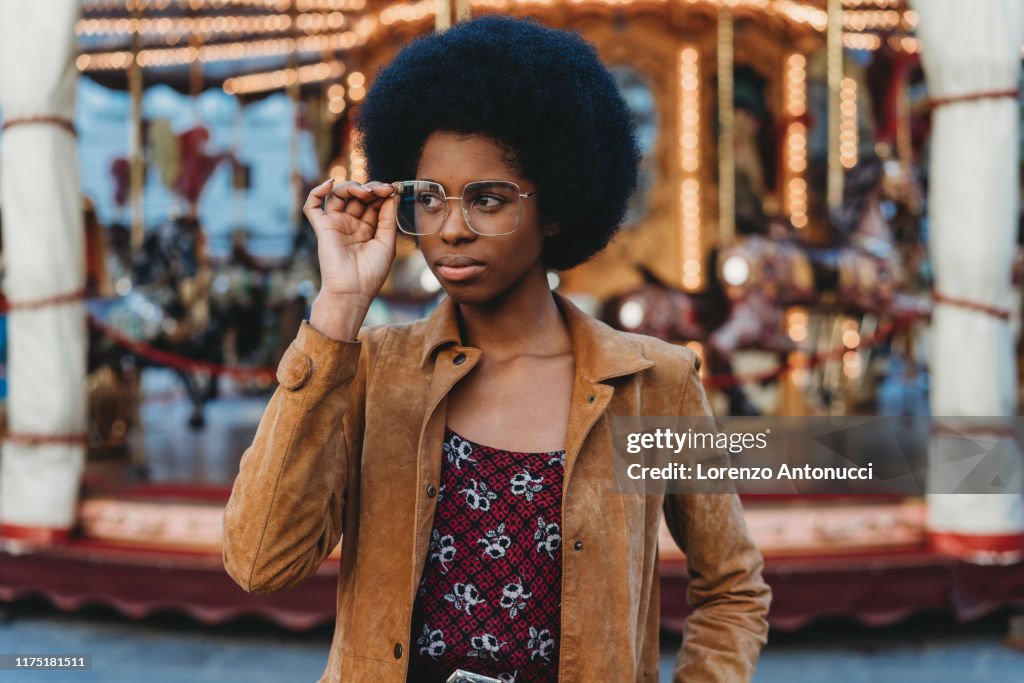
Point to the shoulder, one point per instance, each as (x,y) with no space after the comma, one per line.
(403,340)
(675,357)
(387,333)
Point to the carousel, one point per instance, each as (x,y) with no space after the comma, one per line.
(798,156)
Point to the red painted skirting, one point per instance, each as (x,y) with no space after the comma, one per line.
(874,588)
(35,535)
(979,548)
(139,582)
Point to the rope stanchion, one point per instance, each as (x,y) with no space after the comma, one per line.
(32,438)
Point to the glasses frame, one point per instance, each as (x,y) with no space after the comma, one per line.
(465,212)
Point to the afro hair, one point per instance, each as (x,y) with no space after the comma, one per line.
(541,93)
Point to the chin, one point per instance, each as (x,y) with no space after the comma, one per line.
(471,293)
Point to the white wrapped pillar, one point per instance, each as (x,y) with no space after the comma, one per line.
(43,457)
(971,53)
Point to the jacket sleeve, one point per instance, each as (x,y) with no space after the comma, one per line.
(285,513)
(723,636)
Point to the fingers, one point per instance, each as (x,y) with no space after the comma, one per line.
(380,192)
(313,208)
(387,228)
(354,198)
(362,201)
(379,189)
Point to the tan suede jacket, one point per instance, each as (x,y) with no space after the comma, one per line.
(349,448)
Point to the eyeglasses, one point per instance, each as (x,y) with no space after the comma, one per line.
(490,207)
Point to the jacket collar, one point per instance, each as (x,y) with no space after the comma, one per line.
(600,351)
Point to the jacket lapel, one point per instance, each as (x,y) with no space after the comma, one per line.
(599,352)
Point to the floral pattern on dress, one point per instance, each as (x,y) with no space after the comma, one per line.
(489,600)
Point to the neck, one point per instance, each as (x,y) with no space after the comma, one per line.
(522,320)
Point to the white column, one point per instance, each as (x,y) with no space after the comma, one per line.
(968,48)
(44,257)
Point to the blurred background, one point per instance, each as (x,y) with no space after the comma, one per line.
(828,214)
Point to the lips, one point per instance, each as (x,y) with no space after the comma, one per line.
(458,267)
(457,261)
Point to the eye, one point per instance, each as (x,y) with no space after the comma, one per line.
(430,201)
(488,202)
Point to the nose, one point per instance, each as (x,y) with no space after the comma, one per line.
(454,228)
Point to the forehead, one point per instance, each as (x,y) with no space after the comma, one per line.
(458,158)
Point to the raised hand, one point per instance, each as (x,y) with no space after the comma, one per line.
(356,231)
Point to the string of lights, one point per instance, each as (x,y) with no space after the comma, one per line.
(795,150)
(689,157)
(362,30)
(206,26)
(282,78)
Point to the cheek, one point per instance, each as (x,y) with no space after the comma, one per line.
(526,249)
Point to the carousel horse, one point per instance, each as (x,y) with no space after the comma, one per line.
(754,279)
(262,303)
(164,302)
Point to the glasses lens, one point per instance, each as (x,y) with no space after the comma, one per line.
(419,206)
(492,206)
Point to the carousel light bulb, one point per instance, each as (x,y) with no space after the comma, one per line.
(735,270)
(631,314)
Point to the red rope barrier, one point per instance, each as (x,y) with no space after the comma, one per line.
(937,102)
(730,381)
(137,347)
(994,311)
(179,362)
(176,361)
(25,304)
(33,439)
(61,121)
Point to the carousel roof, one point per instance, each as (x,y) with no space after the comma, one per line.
(251,47)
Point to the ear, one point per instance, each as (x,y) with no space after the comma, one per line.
(552,229)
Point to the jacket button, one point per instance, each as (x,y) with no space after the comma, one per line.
(398,650)
(431,491)
(578,545)
(295,369)
(590,399)
(459,359)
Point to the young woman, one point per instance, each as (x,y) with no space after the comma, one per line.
(465,461)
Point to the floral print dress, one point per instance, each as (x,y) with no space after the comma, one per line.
(490,597)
